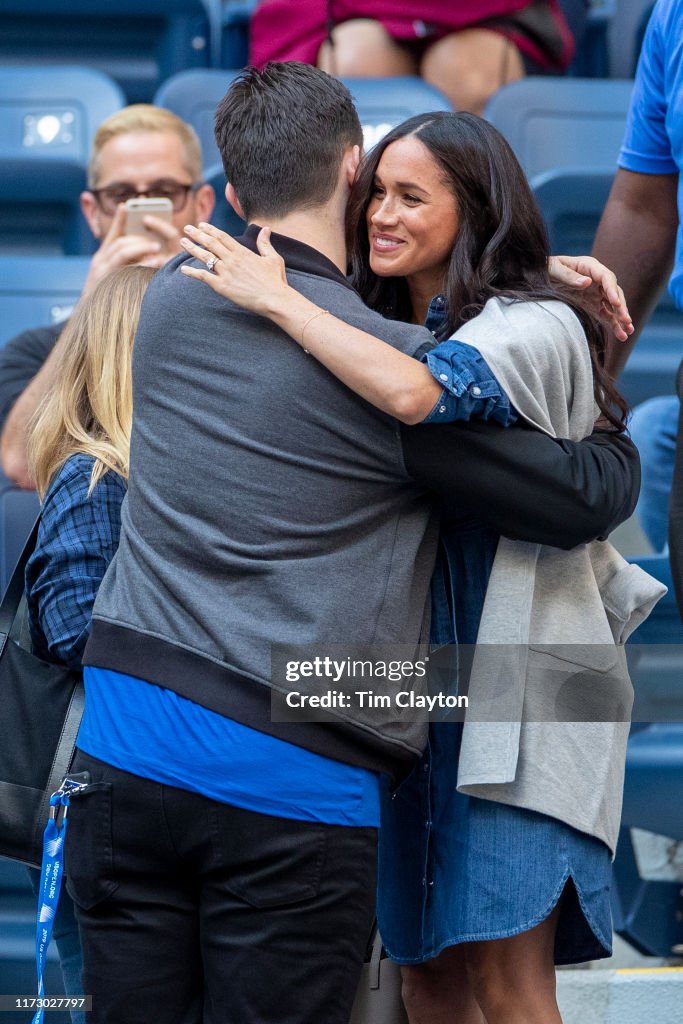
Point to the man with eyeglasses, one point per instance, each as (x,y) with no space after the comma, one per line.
(140,151)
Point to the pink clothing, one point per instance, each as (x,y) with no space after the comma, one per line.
(292,30)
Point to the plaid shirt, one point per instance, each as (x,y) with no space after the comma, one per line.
(77,538)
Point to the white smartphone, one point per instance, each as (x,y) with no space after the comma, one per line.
(138,209)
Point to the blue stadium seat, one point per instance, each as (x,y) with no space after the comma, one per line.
(592,53)
(18,511)
(48,119)
(572,200)
(137,42)
(562,122)
(382,103)
(194,96)
(36,291)
(567,134)
(640,34)
(235,22)
(656,653)
(648,912)
(651,367)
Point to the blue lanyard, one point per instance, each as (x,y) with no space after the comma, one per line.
(51,879)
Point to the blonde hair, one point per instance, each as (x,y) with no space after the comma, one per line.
(89,409)
(144,117)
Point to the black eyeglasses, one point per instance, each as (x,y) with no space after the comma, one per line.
(110,197)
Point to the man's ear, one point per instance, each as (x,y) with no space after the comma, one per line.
(91,212)
(204,202)
(352,159)
(231,196)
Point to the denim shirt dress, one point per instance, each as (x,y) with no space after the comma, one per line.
(455,868)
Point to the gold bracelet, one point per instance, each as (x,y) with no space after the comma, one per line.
(321,312)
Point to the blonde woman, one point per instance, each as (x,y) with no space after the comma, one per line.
(79,449)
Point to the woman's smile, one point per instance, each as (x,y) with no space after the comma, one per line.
(383,244)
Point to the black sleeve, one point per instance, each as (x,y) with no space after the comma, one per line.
(20,360)
(526,485)
(676,507)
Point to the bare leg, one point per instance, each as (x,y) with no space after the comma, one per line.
(362,48)
(514,979)
(439,991)
(469,66)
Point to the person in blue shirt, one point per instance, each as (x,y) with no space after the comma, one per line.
(640,236)
(478,898)
(79,451)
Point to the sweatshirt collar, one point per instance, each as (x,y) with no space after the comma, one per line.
(297,255)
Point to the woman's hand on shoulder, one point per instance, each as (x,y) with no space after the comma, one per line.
(256,282)
(605,297)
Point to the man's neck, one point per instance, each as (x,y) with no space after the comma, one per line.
(321,229)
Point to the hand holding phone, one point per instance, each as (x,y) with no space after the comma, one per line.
(119,248)
(138,209)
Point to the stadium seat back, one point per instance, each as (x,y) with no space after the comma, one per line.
(234,33)
(48,119)
(382,103)
(640,34)
(646,909)
(567,134)
(18,511)
(138,42)
(194,96)
(651,367)
(572,200)
(37,291)
(592,55)
(655,665)
(562,122)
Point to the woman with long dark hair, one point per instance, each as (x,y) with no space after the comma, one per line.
(495,853)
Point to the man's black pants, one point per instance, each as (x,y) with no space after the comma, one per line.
(194,911)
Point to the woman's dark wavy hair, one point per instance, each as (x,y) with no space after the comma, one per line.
(501,247)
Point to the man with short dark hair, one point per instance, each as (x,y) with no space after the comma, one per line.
(223,863)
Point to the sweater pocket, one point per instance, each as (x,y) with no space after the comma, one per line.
(577,683)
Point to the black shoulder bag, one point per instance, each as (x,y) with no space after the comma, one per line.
(41,706)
